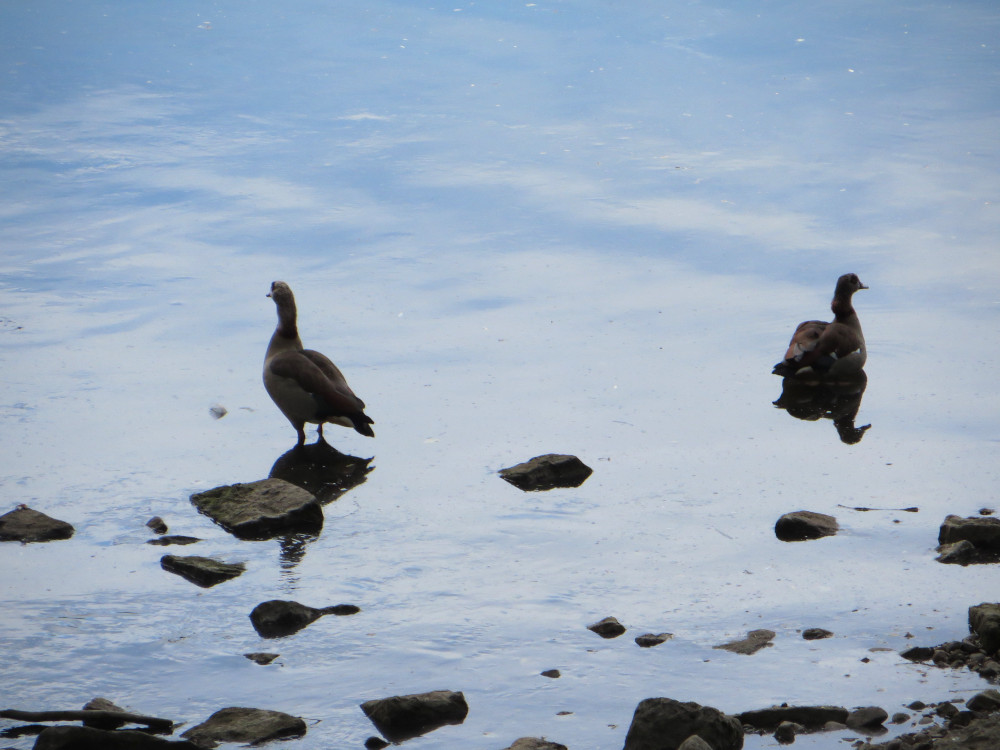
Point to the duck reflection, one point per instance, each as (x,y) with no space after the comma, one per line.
(815,400)
(322,470)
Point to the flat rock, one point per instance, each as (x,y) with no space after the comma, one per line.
(609,627)
(26,525)
(984,621)
(811,717)
(166,541)
(547,472)
(664,724)
(404,717)
(261,657)
(803,525)
(261,510)
(815,634)
(277,618)
(866,718)
(648,640)
(251,725)
(535,743)
(754,642)
(202,571)
(68,737)
(983,532)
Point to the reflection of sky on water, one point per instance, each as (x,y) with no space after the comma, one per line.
(519,229)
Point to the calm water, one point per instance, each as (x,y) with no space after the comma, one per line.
(520,228)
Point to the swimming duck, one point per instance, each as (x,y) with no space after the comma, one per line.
(828,350)
(303,383)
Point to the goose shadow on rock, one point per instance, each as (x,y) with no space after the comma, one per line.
(838,401)
(322,470)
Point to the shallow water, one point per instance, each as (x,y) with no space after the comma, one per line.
(519,229)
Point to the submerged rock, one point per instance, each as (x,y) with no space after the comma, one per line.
(547,472)
(88,738)
(648,640)
(261,657)
(754,642)
(403,717)
(166,541)
(803,525)
(664,723)
(811,717)
(251,725)
(609,627)
(202,571)
(261,510)
(277,618)
(26,525)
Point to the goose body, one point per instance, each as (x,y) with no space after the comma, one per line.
(304,384)
(829,350)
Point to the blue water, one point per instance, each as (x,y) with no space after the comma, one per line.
(519,229)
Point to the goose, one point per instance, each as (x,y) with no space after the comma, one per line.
(303,383)
(828,350)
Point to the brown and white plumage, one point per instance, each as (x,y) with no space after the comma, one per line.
(829,350)
(303,383)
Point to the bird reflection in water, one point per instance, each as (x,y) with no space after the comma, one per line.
(815,400)
(324,471)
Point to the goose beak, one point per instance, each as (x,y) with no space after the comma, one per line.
(863,286)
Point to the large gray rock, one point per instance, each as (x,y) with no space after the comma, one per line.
(403,717)
(89,738)
(984,621)
(26,525)
(547,472)
(811,717)
(202,571)
(251,725)
(277,618)
(261,510)
(803,525)
(983,532)
(664,724)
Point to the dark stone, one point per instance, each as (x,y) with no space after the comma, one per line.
(982,531)
(555,674)
(917,653)
(277,618)
(26,525)
(547,472)
(664,724)
(261,657)
(403,717)
(157,525)
(984,621)
(987,701)
(648,640)
(786,731)
(866,718)
(754,642)
(694,742)
(815,634)
(202,571)
(811,717)
(103,704)
(609,627)
(261,510)
(535,743)
(963,553)
(375,743)
(803,525)
(251,725)
(88,738)
(166,541)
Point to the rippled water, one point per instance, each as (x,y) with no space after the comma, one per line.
(519,229)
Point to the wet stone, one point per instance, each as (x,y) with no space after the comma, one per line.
(981,531)
(866,718)
(803,525)
(666,723)
(811,717)
(547,472)
(554,674)
(648,640)
(754,642)
(277,618)
(261,657)
(157,525)
(166,541)
(250,725)
(534,743)
(202,571)
(26,525)
(984,621)
(815,634)
(261,510)
(89,738)
(403,717)
(609,627)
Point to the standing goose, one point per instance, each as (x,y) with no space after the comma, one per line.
(829,350)
(304,384)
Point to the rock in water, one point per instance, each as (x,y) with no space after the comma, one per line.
(803,525)
(277,618)
(547,472)
(250,725)
(26,525)
(202,571)
(261,510)
(403,717)
(664,724)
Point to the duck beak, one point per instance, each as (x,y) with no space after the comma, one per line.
(863,286)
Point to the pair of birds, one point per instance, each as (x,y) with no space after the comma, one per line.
(308,387)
